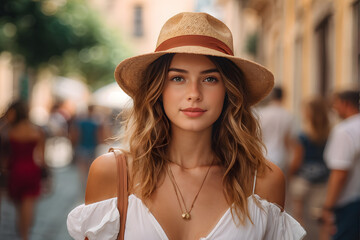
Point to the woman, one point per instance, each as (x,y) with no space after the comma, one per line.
(308,170)
(194,150)
(25,160)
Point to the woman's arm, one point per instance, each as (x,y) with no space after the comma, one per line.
(297,159)
(102,179)
(271,185)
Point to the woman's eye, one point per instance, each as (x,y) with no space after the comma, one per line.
(177,79)
(210,80)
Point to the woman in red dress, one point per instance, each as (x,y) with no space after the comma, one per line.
(26,157)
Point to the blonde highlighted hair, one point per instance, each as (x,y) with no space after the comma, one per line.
(235,137)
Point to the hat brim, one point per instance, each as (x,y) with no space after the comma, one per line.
(258,80)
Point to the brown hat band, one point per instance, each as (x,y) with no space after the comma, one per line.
(195,40)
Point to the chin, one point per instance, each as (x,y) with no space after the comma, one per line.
(195,128)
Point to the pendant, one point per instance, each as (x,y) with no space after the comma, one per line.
(186,216)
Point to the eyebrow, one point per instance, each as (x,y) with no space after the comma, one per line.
(202,72)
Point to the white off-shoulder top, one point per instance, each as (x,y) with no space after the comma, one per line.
(101,220)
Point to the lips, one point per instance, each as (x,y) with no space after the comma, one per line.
(193,112)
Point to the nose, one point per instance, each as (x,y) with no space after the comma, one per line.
(194,92)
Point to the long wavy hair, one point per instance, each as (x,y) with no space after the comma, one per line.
(317,124)
(235,136)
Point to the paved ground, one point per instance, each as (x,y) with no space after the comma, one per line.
(52,209)
(310,224)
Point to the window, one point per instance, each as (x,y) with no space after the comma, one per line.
(138,21)
(322,38)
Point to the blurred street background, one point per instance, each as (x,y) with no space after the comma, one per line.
(59,57)
(52,208)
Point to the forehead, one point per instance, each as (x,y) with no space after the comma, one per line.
(191,61)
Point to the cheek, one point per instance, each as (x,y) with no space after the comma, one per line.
(217,101)
(166,95)
(219,97)
(169,99)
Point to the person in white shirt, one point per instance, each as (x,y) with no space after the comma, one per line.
(278,130)
(341,211)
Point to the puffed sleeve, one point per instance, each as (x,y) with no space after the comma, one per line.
(99,220)
(282,226)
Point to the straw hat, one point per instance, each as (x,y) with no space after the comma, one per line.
(195,33)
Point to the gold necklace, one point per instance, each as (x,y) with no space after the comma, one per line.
(185,214)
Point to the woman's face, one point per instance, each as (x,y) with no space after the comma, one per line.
(194,93)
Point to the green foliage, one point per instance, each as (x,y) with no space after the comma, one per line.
(67,35)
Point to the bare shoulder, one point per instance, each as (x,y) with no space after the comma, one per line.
(102,179)
(271,185)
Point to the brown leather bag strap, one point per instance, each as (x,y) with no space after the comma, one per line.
(122,191)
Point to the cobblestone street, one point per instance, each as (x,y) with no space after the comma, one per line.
(51,211)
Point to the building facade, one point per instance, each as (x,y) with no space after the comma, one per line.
(139,21)
(311,46)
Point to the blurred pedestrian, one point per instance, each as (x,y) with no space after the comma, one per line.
(86,135)
(277,127)
(308,171)
(194,149)
(341,210)
(59,149)
(58,124)
(25,161)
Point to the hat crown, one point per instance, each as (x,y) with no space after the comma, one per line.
(198,24)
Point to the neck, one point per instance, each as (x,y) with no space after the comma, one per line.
(190,149)
(351,112)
